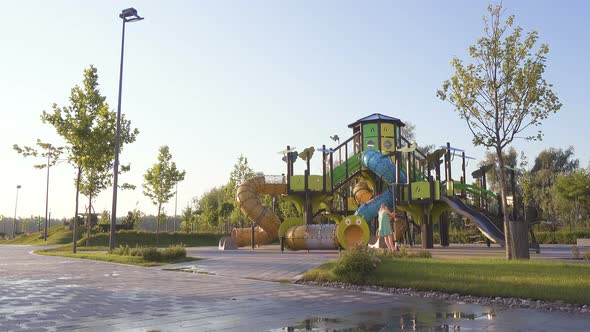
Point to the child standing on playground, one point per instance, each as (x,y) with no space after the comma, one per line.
(385,227)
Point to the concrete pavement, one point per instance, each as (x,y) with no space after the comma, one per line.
(39,293)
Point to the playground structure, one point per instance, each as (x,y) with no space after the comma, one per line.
(375,165)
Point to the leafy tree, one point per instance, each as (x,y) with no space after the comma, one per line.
(105,218)
(88,127)
(188,218)
(490,158)
(160,181)
(538,184)
(133,218)
(240,172)
(574,189)
(409,133)
(210,203)
(502,93)
(45,151)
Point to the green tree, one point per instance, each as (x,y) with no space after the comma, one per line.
(538,184)
(187,217)
(88,127)
(574,188)
(239,173)
(133,218)
(490,158)
(501,94)
(409,133)
(105,218)
(210,203)
(46,151)
(160,181)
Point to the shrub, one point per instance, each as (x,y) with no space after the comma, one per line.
(576,251)
(587,255)
(562,236)
(357,265)
(136,251)
(152,254)
(423,254)
(173,252)
(121,250)
(405,253)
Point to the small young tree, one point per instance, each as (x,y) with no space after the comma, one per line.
(502,93)
(133,219)
(88,127)
(240,172)
(44,150)
(160,181)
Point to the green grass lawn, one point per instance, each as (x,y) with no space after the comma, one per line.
(61,235)
(106,257)
(549,281)
(148,239)
(58,234)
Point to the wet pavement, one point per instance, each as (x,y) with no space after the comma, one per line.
(39,293)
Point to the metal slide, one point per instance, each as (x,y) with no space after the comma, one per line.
(483,223)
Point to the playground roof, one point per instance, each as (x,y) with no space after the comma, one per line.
(377,117)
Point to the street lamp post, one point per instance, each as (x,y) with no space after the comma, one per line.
(127,15)
(15,207)
(175,206)
(47,197)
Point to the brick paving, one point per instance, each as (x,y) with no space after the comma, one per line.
(39,293)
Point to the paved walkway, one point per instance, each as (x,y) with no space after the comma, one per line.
(39,293)
(266,263)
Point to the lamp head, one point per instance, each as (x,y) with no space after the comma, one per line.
(130,15)
(18,186)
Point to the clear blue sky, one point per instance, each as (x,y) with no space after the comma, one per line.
(216,79)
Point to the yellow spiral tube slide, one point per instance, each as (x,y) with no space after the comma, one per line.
(361,192)
(267,223)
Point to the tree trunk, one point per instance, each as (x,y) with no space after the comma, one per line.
(504,190)
(88,220)
(517,243)
(520,239)
(158,225)
(75,230)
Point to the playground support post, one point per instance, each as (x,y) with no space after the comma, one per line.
(409,178)
(426,229)
(252,238)
(324,168)
(464,178)
(444,229)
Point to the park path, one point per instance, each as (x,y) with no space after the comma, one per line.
(39,293)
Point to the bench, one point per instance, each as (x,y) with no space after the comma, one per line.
(583,243)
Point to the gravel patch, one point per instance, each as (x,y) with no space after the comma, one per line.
(511,302)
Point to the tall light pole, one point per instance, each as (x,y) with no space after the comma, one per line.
(47,197)
(15,206)
(175,206)
(127,15)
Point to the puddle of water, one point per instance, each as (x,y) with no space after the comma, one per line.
(25,282)
(389,320)
(191,269)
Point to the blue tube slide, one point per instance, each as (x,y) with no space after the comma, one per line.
(385,169)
